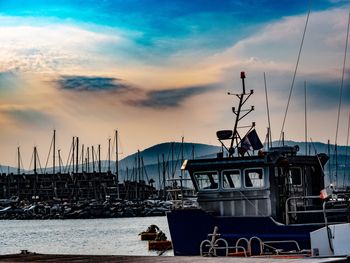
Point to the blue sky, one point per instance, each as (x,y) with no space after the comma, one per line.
(159,70)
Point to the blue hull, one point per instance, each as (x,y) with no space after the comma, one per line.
(188,228)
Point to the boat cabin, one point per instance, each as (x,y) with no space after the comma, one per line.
(271,184)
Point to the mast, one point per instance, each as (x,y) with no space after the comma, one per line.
(109,154)
(234,135)
(182,171)
(159,180)
(305,118)
(138,173)
(59,161)
(18,160)
(164,190)
(35,172)
(269,134)
(54,151)
(82,158)
(88,160)
(77,157)
(99,158)
(93,158)
(193,152)
(73,148)
(117,162)
(329,164)
(172,160)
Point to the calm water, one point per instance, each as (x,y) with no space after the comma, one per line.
(116,236)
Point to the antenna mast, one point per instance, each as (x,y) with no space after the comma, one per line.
(240,113)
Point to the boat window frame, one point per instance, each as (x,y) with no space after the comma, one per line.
(301,175)
(240,179)
(207,189)
(263,178)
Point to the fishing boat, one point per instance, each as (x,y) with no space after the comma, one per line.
(253,195)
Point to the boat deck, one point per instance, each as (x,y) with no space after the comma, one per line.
(33,257)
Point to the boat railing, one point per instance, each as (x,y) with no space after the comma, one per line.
(215,243)
(329,206)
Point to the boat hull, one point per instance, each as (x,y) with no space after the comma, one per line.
(189,227)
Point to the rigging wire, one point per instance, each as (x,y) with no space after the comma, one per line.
(346,151)
(295,73)
(305,117)
(342,79)
(48,155)
(340,96)
(268,112)
(68,163)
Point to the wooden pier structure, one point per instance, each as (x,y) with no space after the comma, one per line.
(33,257)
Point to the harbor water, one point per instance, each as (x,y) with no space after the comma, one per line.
(113,236)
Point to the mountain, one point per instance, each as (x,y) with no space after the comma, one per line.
(172,152)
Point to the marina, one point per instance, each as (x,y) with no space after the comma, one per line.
(232,192)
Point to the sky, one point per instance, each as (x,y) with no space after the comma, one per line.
(159,70)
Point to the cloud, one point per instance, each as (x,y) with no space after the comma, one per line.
(9,80)
(87,83)
(50,47)
(26,116)
(324,92)
(170,98)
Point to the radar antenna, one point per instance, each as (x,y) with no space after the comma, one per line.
(240,113)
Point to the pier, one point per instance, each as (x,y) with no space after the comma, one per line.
(33,257)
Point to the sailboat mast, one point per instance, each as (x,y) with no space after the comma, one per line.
(88,160)
(99,158)
(159,180)
(164,189)
(93,158)
(182,171)
(117,162)
(59,161)
(73,154)
(305,118)
(18,160)
(35,160)
(82,158)
(77,157)
(138,173)
(109,154)
(54,152)
(269,134)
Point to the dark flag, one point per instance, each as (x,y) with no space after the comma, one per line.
(254,140)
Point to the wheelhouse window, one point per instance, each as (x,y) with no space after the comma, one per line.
(295,176)
(254,178)
(207,180)
(232,179)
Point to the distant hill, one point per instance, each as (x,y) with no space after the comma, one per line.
(172,152)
